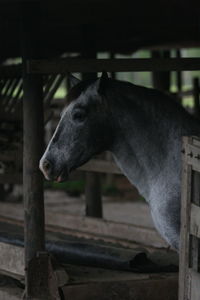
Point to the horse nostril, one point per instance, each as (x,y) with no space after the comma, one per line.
(47,165)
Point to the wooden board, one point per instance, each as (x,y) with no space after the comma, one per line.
(95,228)
(189,276)
(155,288)
(12,259)
(62,66)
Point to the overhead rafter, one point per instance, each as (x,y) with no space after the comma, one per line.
(62,66)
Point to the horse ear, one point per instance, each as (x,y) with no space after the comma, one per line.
(102,82)
(72,81)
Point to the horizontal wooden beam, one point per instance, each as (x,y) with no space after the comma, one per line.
(93,228)
(94,165)
(155,287)
(11,71)
(63,66)
(100,166)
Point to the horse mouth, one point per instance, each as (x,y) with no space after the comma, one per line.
(63,176)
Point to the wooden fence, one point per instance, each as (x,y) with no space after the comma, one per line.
(189,277)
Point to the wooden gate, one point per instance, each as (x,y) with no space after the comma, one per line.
(189,275)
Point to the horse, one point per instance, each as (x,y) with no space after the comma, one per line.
(141,127)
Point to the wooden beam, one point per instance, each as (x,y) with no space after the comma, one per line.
(62,66)
(157,287)
(33,120)
(101,166)
(195,220)
(12,258)
(185,220)
(93,228)
(94,165)
(194,278)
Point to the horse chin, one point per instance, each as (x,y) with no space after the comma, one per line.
(63,176)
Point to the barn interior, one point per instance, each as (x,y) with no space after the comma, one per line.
(84,255)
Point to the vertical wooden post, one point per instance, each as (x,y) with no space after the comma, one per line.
(196,97)
(110,177)
(161,80)
(2,192)
(185,220)
(33,139)
(93,179)
(179,78)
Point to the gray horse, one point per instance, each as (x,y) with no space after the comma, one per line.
(142,128)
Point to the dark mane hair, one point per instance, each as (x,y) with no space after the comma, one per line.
(75,92)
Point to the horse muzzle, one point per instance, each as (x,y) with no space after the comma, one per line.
(48,169)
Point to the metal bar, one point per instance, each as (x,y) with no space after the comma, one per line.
(62,66)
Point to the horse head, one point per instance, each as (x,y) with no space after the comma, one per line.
(85,129)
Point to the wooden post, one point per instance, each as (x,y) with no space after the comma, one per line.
(33,140)
(179,78)
(196,97)
(2,192)
(189,262)
(110,177)
(93,180)
(161,79)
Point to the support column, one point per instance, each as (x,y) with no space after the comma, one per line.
(196,97)
(93,179)
(33,139)
(179,78)
(161,80)
(93,189)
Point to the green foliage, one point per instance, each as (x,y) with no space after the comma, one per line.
(110,190)
(73,188)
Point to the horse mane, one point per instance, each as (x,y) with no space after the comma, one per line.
(75,92)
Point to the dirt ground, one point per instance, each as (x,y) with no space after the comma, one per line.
(126,206)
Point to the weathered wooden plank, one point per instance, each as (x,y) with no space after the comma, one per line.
(194,282)
(185,221)
(63,66)
(93,191)
(192,156)
(11,71)
(163,287)
(33,144)
(103,228)
(94,165)
(195,220)
(12,258)
(11,293)
(93,228)
(196,96)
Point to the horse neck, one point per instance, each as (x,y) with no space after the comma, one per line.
(140,146)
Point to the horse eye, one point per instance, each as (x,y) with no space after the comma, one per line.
(79,115)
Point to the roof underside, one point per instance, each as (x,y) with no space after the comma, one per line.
(104,25)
